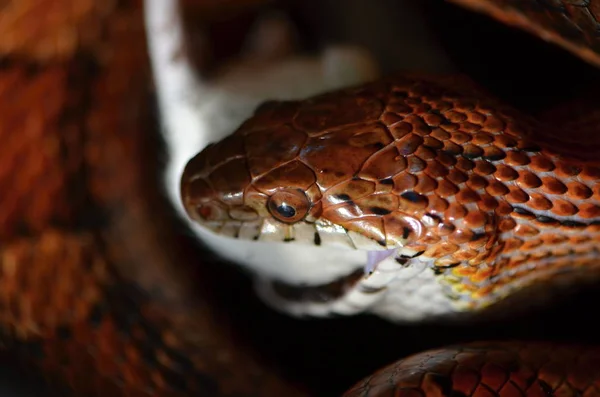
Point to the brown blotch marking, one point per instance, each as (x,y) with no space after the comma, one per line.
(379,204)
(413,201)
(354,189)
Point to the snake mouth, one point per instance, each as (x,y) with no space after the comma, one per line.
(321,293)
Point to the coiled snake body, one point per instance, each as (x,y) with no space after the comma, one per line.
(424,169)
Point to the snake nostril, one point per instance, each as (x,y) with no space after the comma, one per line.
(209,212)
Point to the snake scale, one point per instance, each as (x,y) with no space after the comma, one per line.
(101,295)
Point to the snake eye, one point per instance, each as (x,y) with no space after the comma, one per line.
(288,206)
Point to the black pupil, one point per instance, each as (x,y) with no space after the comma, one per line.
(286,211)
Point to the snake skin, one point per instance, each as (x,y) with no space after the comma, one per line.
(489,369)
(495,198)
(95,289)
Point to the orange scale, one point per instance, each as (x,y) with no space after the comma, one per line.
(552,185)
(455,117)
(460,236)
(504,208)
(506,225)
(477,182)
(484,168)
(457,177)
(589,210)
(590,172)
(440,134)
(403,182)
(437,204)
(456,211)
(465,254)
(400,129)
(512,244)
(432,119)
(517,158)
(541,164)
(487,202)
(469,127)
(505,173)
(425,184)
(467,195)
(389,118)
(578,190)
(517,196)
(475,219)
(564,208)
(565,170)
(482,138)
(408,144)
(525,230)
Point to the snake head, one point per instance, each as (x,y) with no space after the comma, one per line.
(302,171)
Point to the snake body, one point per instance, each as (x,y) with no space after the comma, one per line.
(98,291)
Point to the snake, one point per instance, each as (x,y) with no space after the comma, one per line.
(412,177)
